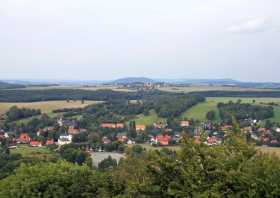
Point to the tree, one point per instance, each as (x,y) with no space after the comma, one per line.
(211,115)
(107,164)
(72,153)
(53,180)
(132,129)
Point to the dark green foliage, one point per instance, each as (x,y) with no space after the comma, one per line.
(172,105)
(72,153)
(64,94)
(211,115)
(16,113)
(8,161)
(61,180)
(107,164)
(80,137)
(244,111)
(32,126)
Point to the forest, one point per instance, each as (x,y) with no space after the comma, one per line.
(244,111)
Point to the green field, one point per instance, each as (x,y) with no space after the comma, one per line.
(199,111)
(46,106)
(149,119)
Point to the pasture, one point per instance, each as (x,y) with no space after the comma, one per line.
(148,120)
(199,88)
(199,111)
(46,106)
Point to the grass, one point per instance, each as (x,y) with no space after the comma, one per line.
(199,111)
(148,120)
(27,151)
(46,106)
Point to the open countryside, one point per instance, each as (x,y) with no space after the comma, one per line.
(46,106)
(199,111)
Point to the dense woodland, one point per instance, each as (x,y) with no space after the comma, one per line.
(244,111)
(22,95)
(16,113)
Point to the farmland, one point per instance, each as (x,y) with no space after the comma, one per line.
(46,106)
(148,120)
(199,111)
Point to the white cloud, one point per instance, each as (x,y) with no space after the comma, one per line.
(252,26)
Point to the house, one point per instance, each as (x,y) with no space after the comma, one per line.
(119,125)
(24,138)
(35,143)
(3,135)
(274,141)
(61,122)
(184,123)
(140,127)
(49,142)
(159,125)
(122,138)
(64,139)
(162,140)
(130,142)
(112,125)
(211,141)
(108,126)
(106,140)
(73,131)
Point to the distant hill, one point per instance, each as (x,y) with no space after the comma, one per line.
(131,80)
(4,85)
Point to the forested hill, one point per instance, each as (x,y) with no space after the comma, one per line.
(4,85)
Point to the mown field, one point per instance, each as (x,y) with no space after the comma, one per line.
(199,111)
(46,106)
(199,88)
(148,120)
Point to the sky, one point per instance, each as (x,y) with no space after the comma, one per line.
(110,39)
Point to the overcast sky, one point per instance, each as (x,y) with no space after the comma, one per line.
(108,39)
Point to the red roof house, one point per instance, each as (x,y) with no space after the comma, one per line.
(50,142)
(73,131)
(112,125)
(184,123)
(24,138)
(140,127)
(35,143)
(163,140)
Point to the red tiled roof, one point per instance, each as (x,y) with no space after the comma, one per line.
(49,142)
(24,138)
(163,139)
(35,143)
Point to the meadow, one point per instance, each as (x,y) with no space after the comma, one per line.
(148,120)
(46,106)
(199,111)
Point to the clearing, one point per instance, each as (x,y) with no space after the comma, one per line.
(46,106)
(199,111)
(148,120)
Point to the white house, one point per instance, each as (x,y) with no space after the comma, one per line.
(64,139)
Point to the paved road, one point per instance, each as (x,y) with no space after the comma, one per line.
(97,157)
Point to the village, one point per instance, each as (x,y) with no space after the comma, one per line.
(158,135)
